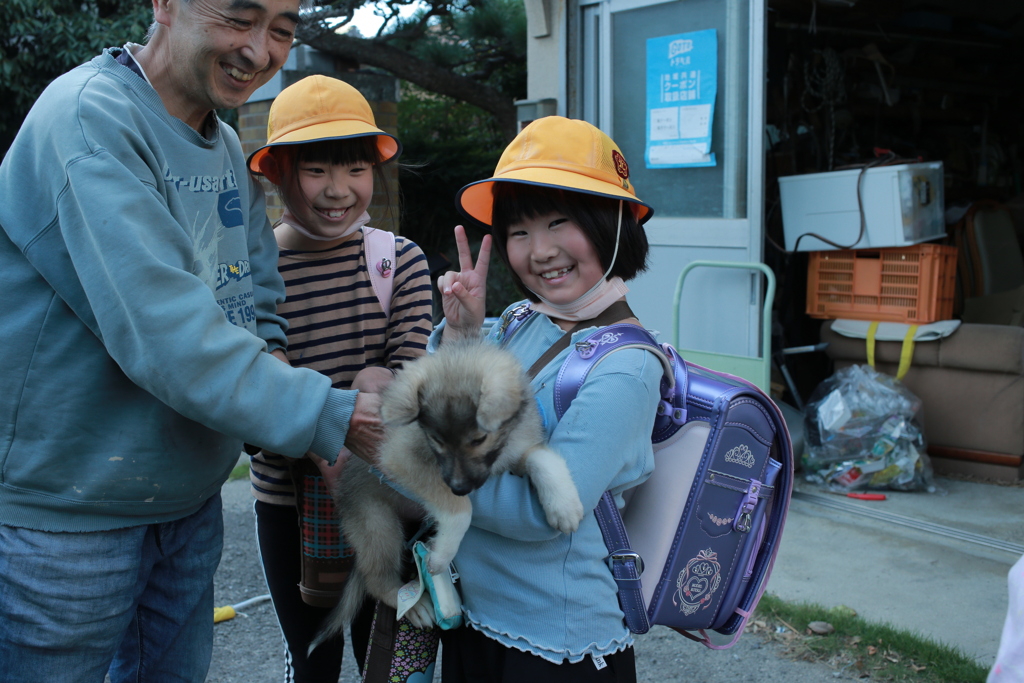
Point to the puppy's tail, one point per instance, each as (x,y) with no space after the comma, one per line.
(351,601)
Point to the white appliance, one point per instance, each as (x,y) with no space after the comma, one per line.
(903,205)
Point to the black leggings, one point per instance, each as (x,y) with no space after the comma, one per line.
(277,532)
(468,656)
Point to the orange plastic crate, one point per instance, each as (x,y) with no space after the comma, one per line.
(903,284)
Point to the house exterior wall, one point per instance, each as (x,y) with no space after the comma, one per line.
(545,26)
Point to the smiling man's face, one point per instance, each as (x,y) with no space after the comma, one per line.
(223,50)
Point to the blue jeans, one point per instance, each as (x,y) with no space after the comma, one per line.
(136,601)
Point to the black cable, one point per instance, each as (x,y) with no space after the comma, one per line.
(885,160)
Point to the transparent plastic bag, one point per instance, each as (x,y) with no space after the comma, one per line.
(862,432)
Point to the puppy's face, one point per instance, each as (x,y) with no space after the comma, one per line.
(465,450)
(465,400)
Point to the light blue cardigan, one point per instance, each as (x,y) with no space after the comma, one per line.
(523,583)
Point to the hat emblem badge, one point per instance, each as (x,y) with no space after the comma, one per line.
(621,167)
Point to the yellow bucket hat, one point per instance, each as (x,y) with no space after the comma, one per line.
(321,108)
(557,152)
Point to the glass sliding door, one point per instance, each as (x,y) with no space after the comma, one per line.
(712,212)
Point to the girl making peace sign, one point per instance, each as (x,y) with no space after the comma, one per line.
(541,605)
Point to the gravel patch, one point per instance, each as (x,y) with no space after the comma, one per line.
(249,648)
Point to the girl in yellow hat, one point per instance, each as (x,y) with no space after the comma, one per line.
(358,304)
(541,605)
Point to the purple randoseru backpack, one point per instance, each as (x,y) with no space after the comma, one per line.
(704,529)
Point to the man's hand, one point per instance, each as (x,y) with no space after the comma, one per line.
(331,473)
(463,293)
(373,379)
(365,430)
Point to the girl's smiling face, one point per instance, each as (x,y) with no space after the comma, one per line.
(553,257)
(327,198)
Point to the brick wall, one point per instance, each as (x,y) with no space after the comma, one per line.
(381,91)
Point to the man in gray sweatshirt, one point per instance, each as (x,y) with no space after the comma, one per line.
(138,295)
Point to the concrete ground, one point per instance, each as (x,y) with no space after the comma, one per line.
(949,589)
(248,648)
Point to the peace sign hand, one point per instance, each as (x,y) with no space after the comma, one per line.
(463,293)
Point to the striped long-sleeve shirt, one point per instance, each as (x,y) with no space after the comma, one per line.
(337,327)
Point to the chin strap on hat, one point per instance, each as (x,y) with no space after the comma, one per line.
(618,233)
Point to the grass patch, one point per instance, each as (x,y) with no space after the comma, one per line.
(240,472)
(861,648)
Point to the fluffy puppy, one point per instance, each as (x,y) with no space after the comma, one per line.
(452,419)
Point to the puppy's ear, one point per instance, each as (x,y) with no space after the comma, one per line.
(499,400)
(400,404)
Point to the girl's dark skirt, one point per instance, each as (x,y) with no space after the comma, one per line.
(468,656)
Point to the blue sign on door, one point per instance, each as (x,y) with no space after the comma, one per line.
(682,80)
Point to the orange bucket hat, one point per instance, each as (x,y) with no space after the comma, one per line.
(557,152)
(321,108)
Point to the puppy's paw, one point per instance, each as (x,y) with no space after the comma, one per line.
(562,508)
(555,487)
(421,615)
(439,558)
(445,544)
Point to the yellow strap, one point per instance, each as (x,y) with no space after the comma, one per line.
(872,329)
(907,352)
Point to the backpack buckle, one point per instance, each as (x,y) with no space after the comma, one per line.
(521,311)
(677,415)
(744,519)
(585,348)
(624,556)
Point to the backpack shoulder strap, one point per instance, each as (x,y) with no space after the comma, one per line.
(511,321)
(589,352)
(625,564)
(380,263)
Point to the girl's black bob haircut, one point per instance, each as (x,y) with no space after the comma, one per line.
(344,151)
(595,215)
(352,150)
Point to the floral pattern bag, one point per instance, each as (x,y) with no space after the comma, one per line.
(398,651)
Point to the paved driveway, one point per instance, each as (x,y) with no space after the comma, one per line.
(248,649)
